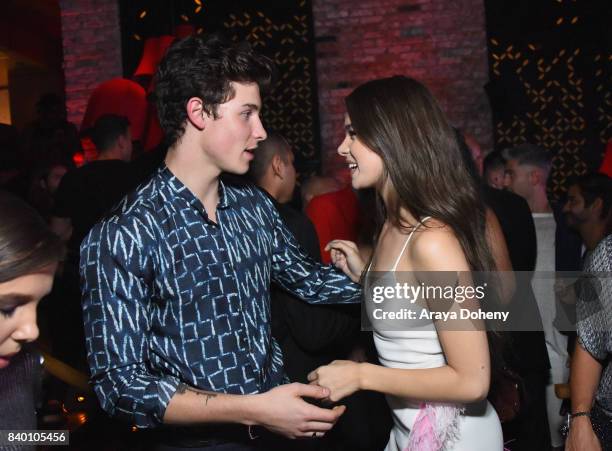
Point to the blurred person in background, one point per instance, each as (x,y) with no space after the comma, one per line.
(29,254)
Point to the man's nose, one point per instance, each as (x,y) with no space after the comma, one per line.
(259,132)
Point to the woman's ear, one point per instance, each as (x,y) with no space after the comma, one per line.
(196,113)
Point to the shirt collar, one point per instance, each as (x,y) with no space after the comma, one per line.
(182,191)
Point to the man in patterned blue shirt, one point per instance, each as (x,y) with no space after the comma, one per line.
(176,279)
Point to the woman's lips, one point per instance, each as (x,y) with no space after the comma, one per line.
(6,359)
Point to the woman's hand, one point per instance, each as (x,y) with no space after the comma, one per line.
(341,377)
(345,256)
(581,436)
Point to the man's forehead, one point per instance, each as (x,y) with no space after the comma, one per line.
(246,94)
(515,165)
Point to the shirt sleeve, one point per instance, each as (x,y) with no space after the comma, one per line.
(296,272)
(117,279)
(594,306)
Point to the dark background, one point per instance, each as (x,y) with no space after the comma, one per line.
(549,68)
(281,30)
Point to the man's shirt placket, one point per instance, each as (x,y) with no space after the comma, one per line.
(247,332)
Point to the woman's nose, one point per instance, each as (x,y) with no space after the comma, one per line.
(27,329)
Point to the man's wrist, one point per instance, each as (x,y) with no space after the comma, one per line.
(251,413)
(579,416)
(580,421)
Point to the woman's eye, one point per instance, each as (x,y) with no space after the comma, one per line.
(8,312)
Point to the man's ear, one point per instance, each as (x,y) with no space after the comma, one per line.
(596,207)
(536,177)
(277,165)
(122,141)
(196,113)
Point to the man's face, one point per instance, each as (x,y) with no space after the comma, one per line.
(575,210)
(288,177)
(517,178)
(230,139)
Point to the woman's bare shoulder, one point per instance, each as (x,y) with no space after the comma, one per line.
(435,247)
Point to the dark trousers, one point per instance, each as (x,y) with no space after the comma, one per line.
(222,437)
(219,447)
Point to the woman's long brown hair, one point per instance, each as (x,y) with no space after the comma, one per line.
(400,120)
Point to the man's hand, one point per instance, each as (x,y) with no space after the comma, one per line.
(284,412)
(581,436)
(341,377)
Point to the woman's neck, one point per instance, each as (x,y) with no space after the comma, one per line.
(390,199)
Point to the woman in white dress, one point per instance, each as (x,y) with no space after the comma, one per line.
(435,378)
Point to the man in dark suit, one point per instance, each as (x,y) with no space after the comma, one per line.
(314,335)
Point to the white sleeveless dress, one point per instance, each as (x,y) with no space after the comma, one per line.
(418,348)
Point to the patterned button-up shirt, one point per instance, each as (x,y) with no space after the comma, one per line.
(170,296)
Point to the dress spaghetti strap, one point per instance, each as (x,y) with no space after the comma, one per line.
(421,222)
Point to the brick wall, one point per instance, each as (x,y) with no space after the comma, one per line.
(439,42)
(92,49)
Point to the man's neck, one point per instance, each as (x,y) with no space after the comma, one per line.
(196,173)
(538,203)
(592,233)
(269,187)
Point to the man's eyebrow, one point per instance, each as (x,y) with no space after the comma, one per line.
(16,298)
(251,106)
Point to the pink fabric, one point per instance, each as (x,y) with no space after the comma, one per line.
(435,428)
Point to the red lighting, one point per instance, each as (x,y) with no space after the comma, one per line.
(154,49)
(118,96)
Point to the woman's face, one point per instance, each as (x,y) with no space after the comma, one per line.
(18,301)
(365,165)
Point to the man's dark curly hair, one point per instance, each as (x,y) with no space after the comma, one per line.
(204,67)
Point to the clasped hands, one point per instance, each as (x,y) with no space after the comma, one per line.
(287,413)
(341,377)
